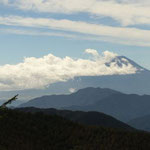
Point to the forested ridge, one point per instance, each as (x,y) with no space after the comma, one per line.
(87,118)
(27,131)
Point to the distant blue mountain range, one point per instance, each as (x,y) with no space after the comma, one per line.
(122,106)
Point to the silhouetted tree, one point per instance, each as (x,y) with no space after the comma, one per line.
(4,105)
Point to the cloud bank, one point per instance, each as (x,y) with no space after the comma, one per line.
(38,73)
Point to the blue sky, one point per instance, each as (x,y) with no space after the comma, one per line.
(19,46)
(36,28)
(15,47)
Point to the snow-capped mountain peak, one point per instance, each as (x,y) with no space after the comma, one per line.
(121,61)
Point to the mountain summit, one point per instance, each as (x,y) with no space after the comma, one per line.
(82,97)
(122,60)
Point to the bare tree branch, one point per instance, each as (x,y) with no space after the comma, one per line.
(9,101)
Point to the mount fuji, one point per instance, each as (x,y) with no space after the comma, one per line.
(135,83)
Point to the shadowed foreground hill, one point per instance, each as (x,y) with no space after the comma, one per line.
(26,131)
(87,118)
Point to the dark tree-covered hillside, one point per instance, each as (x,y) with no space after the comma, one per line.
(87,118)
(26,131)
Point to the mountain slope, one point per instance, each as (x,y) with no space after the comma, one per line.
(142,123)
(121,106)
(25,131)
(84,97)
(87,118)
(122,60)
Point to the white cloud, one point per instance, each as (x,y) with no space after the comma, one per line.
(92,51)
(72,90)
(36,33)
(5,2)
(37,73)
(131,36)
(127,12)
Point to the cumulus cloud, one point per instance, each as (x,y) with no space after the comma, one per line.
(92,51)
(38,73)
(127,12)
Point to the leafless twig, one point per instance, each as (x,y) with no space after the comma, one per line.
(9,101)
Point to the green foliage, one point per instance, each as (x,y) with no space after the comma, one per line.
(26,131)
